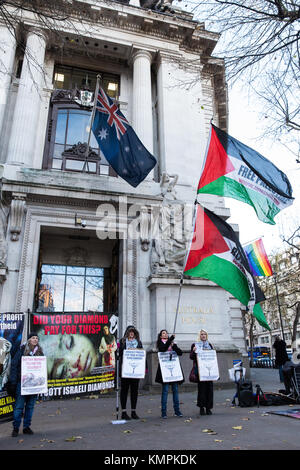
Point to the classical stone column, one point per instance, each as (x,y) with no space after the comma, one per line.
(27,109)
(181,139)
(161,72)
(142,118)
(7,55)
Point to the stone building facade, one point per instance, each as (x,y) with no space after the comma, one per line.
(158,64)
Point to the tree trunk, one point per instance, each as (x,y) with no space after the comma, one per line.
(295,324)
(251,339)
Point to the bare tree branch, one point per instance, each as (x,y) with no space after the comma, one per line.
(260,44)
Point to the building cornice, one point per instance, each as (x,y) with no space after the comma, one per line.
(71,188)
(180,28)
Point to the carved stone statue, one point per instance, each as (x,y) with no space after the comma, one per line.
(167,185)
(144,228)
(159,5)
(170,244)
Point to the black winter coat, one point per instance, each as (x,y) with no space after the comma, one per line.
(163,347)
(281,356)
(15,369)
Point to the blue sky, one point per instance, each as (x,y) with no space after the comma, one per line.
(245,125)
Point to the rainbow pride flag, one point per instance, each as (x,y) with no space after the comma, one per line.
(258,260)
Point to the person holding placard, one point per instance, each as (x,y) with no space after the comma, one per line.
(24,403)
(164,344)
(205,388)
(130,340)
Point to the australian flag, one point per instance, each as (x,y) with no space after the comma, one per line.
(119,143)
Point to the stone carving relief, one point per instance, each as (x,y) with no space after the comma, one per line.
(170,244)
(144,233)
(80,150)
(76,256)
(158,5)
(82,97)
(17,211)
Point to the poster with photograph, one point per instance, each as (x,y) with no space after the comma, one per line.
(33,375)
(133,364)
(170,366)
(80,349)
(11,330)
(207,365)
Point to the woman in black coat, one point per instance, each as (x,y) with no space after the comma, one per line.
(281,356)
(130,340)
(205,389)
(164,344)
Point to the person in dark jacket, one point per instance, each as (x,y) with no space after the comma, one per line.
(281,356)
(205,388)
(165,343)
(24,403)
(130,340)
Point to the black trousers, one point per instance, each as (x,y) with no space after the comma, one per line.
(133,385)
(205,397)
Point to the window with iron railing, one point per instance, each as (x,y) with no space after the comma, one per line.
(71,105)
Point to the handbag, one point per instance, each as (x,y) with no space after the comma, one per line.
(194,377)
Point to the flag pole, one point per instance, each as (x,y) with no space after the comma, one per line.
(117,370)
(278,304)
(92,121)
(178,301)
(184,263)
(194,219)
(254,240)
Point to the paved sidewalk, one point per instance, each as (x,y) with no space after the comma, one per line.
(86,424)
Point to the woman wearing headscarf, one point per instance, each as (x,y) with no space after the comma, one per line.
(205,388)
(130,340)
(24,404)
(165,343)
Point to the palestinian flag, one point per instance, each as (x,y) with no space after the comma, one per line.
(216,254)
(235,170)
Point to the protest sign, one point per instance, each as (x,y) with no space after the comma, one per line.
(11,330)
(80,349)
(33,375)
(170,367)
(207,365)
(133,364)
